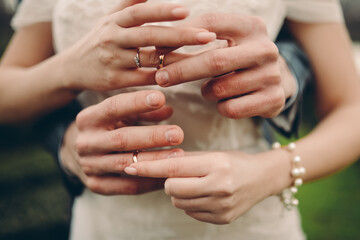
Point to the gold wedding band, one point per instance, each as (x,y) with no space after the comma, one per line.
(134,157)
(137,58)
(161,61)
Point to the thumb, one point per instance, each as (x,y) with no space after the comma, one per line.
(124,4)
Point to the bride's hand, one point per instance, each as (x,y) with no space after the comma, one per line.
(104,58)
(218,187)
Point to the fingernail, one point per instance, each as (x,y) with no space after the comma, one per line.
(153,100)
(180,12)
(174,154)
(172,136)
(166,187)
(162,77)
(205,37)
(130,170)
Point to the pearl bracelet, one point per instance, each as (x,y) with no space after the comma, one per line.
(288,196)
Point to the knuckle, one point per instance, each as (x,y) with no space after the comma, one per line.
(226,218)
(258,24)
(218,89)
(173,170)
(226,204)
(111,106)
(217,61)
(81,145)
(133,12)
(270,51)
(81,120)
(210,19)
(94,185)
(119,164)
(231,110)
(107,58)
(120,140)
(111,79)
(176,72)
(227,188)
(132,189)
(276,103)
(148,36)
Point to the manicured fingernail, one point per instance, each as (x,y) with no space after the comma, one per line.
(174,154)
(162,77)
(180,12)
(172,136)
(166,187)
(130,170)
(153,100)
(205,37)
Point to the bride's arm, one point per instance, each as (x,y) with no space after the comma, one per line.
(335,142)
(29,84)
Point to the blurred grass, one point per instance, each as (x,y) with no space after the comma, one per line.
(34,205)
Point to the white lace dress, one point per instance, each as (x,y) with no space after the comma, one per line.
(151,215)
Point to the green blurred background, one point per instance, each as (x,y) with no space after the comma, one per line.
(34,205)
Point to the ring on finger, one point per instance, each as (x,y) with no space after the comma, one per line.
(137,58)
(161,61)
(134,157)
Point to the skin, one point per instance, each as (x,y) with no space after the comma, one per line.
(30,61)
(267,84)
(102,144)
(235,181)
(111,58)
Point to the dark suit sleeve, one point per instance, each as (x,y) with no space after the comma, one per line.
(287,123)
(52,129)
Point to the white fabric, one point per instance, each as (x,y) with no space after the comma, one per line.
(151,216)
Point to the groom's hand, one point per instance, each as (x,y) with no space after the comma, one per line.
(248,77)
(101,144)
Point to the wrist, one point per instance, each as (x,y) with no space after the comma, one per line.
(68,71)
(276,170)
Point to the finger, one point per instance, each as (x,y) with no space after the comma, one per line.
(169,168)
(241,82)
(116,163)
(211,63)
(163,36)
(129,139)
(156,115)
(118,185)
(149,58)
(187,188)
(222,25)
(139,14)
(120,107)
(201,204)
(125,4)
(267,103)
(208,217)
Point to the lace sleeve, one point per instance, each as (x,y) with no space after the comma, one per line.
(314,10)
(33,11)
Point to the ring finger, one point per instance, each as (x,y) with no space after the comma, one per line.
(116,163)
(150,58)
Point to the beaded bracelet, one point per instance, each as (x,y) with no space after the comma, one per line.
(288,196)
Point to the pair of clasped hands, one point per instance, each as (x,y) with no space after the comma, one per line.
(247,78)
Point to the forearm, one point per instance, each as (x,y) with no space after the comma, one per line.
(31,77)
(27,93)
(334,143)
